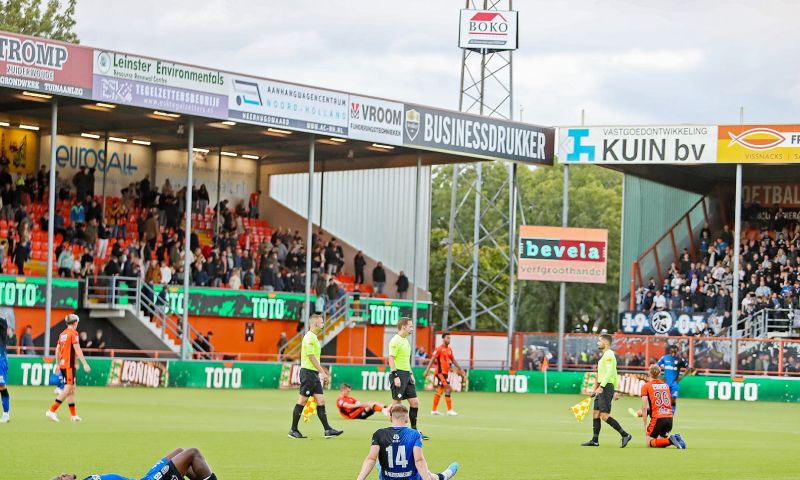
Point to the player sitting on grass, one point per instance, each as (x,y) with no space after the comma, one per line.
(399,451)
(657,404)
(176,465)
(351,408)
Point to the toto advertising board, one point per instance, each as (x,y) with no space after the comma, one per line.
(480,137)
(556,254)
(159,84)
(278,104)
(651,145)
(488,29)
(41,65)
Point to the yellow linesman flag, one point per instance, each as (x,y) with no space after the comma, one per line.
(310,409)
(581,409)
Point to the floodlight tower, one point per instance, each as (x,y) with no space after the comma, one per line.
(488,37)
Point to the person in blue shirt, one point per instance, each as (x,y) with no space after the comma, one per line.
(398,450)
(4,396)
(672,365)
(179,463)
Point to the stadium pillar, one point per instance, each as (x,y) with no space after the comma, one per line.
(476,246)
(737,240)
(512,243)
(414,256)
(309,227)
(105,174)
(562,290)
(51,202)
(219,190)
(450,239)
(186,348)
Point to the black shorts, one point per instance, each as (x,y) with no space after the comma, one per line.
(365,414)
(659,427)
(310,383)
(602,401)
(406,389)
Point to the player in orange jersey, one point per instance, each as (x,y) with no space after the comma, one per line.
(351,408)
(67,350)
(441,358)
(657,404)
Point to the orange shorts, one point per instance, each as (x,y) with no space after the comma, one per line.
(69,375)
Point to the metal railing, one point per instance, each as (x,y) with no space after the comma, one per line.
(770,322)
(337,316)
(683,232)
(138,296)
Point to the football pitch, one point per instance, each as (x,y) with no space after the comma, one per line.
(497,436)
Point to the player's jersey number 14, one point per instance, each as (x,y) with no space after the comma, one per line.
(400,460)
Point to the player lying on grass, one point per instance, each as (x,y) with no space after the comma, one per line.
(351,408)
(657,404)
(398,449)
(178,464)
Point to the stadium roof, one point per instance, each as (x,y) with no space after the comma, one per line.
(147,99)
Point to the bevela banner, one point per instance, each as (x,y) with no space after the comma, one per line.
(556,254)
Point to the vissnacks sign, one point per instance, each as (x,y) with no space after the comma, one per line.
(488,29)
(159,84)
(759,144)
(556,254)
(41,65)
(638,144)
(665,323)
(480,137)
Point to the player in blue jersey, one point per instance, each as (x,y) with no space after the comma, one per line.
(6,400)
(398,449)
(178,464)
(674,368)
(672,365)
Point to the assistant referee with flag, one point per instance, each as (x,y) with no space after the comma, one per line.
(605,393)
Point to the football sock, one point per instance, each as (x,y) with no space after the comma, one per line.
(660,442)
(6,400)
(412,416)
(55,405)
(378,407)
(596,429)
(436,397)
(296,414)
(449,402)
(616,426)
(72,409)
(323,417)
(211,477)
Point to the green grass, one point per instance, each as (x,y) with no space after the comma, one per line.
(243,435)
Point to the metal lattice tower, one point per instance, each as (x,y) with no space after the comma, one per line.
(486,89)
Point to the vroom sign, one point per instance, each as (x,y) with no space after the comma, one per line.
(555,254)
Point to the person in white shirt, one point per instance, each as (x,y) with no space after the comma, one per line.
(659,302)
(166,273)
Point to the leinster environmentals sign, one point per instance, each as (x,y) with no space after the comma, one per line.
(556,254)
(480,137)
(653,144)
(159,84)
(40,65)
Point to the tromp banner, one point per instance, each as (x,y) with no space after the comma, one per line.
(556,254)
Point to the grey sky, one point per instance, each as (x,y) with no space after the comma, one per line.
(624,61)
